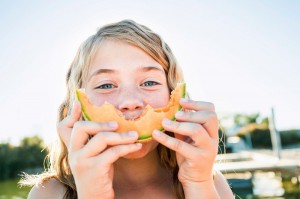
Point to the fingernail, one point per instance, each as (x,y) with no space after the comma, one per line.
(132,134)
(157,133)
(184,99)
(113,124)
(179,113)
(167,121)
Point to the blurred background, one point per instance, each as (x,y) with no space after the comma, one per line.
(244,56)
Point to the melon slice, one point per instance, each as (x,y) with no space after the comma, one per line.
(149,120)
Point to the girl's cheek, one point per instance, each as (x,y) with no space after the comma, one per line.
(158,99)
(98,100)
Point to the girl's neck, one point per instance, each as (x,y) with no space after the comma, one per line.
(140,172)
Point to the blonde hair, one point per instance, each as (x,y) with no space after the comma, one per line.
(137,35)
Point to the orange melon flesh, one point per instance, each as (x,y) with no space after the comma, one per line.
(149,120)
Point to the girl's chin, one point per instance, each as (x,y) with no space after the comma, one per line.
(146,148)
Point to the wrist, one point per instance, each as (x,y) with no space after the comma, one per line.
(203,189)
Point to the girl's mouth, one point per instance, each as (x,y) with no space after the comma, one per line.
(132,115)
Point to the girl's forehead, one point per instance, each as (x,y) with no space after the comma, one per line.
(117,55)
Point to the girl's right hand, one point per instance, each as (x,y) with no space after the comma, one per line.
(91,158)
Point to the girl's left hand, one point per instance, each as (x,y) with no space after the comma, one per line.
(195,142)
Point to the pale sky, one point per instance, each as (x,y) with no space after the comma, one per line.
(244,56)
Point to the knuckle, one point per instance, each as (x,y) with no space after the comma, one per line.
(192,164)
(197,129)
(188,114)
(211,105)
(177,144)
(101,125)
(123,136)
(61,125)
(212,115)
(176,125)
(76,163)
(78,126)
(104,125)
(199,153)
(99,137)
(116,150)
(64,135)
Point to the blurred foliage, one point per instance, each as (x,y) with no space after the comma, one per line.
(290,138)
(259,133)
(242,119)
(258,129)
(30,154)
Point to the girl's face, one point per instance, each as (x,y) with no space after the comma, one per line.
(128,78)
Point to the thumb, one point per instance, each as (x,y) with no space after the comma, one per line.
(64,127)
(74,115)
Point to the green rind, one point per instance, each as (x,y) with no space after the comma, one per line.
(180,107)
(142,137)
(85,115)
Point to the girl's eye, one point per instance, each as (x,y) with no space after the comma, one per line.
(149,83)
(106,86)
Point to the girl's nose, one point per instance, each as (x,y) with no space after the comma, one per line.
(130,101)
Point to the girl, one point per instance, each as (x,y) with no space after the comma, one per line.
(130,66)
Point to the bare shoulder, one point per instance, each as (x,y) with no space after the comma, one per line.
(52,188)
(222,185)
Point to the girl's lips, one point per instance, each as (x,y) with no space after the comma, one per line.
(132,115)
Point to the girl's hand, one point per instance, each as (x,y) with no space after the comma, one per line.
(195,143)
(91,158)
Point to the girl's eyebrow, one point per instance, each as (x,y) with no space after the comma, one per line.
(110,71)
(150,68)
(100,71)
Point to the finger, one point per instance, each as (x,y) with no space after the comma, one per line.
(64,127)
(194,131)
(102,140)
(114,153)
(177,145)
(208,119)
(75,114)
(82,130)
(196,105)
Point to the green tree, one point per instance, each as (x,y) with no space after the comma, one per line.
(29,154)
(290,138)
(33,149)
(242,119)
(5,153)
